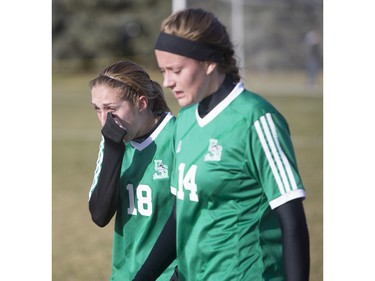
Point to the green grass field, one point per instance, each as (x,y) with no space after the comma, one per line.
(80,249)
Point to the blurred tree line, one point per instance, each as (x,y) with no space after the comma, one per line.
(90,31)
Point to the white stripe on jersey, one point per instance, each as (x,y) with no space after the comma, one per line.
(98,168)
(275,153)
(283,157)
(267,134)
(269,156)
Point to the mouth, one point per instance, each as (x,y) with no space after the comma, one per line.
(178,94)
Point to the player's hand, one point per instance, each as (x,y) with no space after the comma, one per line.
(175,275)
(113,130)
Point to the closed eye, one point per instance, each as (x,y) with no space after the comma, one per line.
(108,108)
(97,109)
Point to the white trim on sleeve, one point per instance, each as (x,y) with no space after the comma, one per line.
(286,197)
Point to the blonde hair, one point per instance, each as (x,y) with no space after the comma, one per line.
(133,81)
(196,24)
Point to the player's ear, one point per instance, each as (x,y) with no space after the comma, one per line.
(142,103)
(211,66)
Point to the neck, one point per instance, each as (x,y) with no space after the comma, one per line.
(217,81)
(153,123)
(209,103)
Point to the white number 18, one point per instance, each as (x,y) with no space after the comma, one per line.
(144,200)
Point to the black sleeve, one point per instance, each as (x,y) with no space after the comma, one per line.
(104,198)
(162,254)
(296,245)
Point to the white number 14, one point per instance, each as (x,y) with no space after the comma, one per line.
(186,182)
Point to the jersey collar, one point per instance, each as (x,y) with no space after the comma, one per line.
(153,136)
(203,121)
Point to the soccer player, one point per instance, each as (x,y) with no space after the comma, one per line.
(132,176)
(239,210)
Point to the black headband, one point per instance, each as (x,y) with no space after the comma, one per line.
(187,48)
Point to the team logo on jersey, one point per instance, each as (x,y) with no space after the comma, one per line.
(178,149)
(161,170)
(214,151)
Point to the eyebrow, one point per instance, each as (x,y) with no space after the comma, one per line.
(105,104)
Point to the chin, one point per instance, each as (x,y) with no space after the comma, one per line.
(184,103)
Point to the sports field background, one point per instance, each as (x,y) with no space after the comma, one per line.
(80,249)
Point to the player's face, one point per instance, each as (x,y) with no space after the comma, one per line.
(187,78)
(106,99)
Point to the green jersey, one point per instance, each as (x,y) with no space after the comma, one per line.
(145,201)
(233,167)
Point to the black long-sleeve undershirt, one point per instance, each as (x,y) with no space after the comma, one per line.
(104,199)
(163,252)
(296,244)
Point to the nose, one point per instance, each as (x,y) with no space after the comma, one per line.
(102,115)
(168,82)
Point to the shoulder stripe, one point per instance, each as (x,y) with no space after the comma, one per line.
(277,160)
(269,156)
(275,153)
(282,154)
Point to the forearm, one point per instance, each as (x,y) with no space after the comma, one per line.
(104,198)
(296,248)
(162,254)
